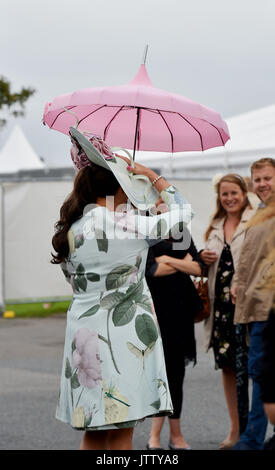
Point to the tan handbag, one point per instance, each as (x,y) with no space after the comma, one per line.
(202,289)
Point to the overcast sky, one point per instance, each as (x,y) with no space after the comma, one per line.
(217,52)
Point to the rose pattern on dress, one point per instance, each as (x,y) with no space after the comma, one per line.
(86,358)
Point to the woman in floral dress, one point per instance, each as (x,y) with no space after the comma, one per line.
(223,337)
(113,373)
(224,238)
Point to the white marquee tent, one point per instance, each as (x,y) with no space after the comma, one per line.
(18,154)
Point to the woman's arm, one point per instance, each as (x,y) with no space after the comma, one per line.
(154,269)
(164,269)
(169,217)
(186,265)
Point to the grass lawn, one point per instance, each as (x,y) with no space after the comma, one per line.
(38,309)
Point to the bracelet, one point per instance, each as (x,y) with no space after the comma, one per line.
(155,180)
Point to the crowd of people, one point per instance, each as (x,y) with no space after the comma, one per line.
(240,303)
(130,327)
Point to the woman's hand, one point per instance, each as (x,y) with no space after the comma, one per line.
(139,169)
(208,256)
(164,268)
(188,258)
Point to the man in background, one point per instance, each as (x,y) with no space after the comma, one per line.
(253,304)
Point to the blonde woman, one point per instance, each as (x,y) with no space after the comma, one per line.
(224,238)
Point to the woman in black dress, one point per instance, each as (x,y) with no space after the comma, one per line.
(176,302)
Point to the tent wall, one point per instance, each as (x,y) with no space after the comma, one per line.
(201,196)
(31,210)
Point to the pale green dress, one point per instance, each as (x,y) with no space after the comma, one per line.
(113,372)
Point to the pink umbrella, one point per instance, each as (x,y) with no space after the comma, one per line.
(139,116)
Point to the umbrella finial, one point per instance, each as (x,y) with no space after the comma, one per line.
(145,54)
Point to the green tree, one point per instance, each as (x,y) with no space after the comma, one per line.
(13,103)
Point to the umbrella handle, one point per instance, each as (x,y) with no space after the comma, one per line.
(73,114)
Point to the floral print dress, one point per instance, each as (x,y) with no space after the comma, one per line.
(113,372)
(223,338)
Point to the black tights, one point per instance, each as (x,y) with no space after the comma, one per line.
(175,368)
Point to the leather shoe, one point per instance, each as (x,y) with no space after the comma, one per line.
(172,447)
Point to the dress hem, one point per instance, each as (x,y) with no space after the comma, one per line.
(118,425)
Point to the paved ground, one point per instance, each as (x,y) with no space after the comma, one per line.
(30,364)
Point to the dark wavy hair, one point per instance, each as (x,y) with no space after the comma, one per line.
(91,182)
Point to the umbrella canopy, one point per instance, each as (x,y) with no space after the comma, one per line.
(139,116)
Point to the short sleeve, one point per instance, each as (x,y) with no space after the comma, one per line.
(151,264)
(195,254)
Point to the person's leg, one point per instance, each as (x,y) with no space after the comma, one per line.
(254,434)
(175,379)
(175,369)
(94,440)
(120,439)
(230,392)
(255,431)
(113,439)
(242,375)
(176,437)
(156,427)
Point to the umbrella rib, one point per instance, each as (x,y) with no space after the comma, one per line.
(193,128)
(110,122)
(94,111)
(217,129)
(61,112)
(171,134)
